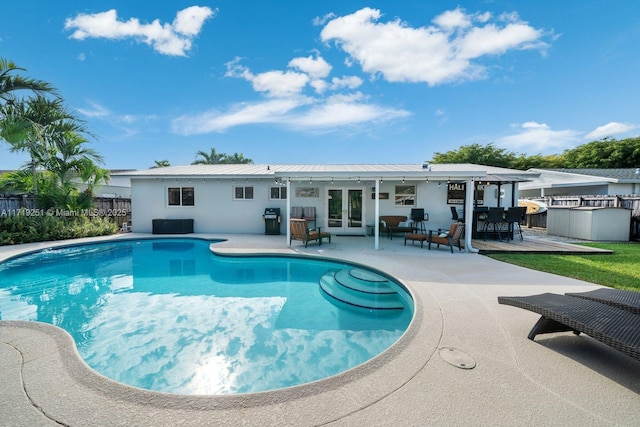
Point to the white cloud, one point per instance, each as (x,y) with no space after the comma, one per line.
(350,82)
(329,106)
(168,39)
(436,54)
(344,114)
(274,83)
(189,21)
(453,19)
(611,129)
(304,114)
(316,68)
(271,111)
(536,138)
(280,83)
(96,110)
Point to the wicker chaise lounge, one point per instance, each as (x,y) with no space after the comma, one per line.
(626,300)
(615,327)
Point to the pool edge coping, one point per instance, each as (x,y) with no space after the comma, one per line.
(379,377)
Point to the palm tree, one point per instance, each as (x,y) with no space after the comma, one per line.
(10,83)
(39,127)
(73,161)
(161,164)
(212,158)
(238,158)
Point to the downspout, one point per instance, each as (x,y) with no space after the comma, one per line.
(376,229)
(468,215)
(288,215)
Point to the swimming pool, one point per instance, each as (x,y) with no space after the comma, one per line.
(168,315)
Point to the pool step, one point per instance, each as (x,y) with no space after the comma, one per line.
(361,288)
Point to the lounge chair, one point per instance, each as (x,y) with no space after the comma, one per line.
(299,229)
(613,326)
(450,238)
(626,300)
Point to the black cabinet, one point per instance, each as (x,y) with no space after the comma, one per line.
(172,226)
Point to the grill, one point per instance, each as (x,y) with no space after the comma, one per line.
(271,218)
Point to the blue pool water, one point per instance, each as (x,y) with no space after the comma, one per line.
(168,315)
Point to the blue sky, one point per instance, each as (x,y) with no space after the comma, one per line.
(332,81)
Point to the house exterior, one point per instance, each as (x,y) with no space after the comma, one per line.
(347,199)
(575,182)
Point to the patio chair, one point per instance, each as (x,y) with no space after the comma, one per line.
(513,218)
(495,217)
(613,326)
(451,237)
(299,230)
(454,215)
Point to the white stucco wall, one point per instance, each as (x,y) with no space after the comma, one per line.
(215,209)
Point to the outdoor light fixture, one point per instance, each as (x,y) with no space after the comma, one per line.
(403,179)
(331,180)
(426,180)
(358,180)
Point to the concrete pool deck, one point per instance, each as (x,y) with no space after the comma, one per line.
(560,379)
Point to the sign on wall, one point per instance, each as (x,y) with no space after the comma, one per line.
(456,193)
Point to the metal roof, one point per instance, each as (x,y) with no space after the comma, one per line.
(621,175)
(554,178)
(331,171)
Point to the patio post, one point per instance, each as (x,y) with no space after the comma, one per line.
(468,215)
(288,215)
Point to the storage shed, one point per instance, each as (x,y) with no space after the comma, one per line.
(590,223)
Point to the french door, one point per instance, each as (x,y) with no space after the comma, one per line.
(345,207)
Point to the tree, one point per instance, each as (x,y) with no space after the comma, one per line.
(608,153)
(70,163)
(10,83)
(211,158)
(161,164)
(214,158)
(39,127)
(238,158)
(489,155)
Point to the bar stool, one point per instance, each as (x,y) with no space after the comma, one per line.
(495,216)
(418,216)
(513,218)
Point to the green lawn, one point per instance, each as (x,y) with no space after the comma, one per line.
(620,270)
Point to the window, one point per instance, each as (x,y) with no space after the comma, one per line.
(405,195)
(181,196)
(243,193)
(277,193)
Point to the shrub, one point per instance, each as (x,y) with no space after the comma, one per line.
(21,228)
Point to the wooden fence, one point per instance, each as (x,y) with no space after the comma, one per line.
(631,202)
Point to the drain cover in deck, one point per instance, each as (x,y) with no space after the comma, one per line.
(457,358)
